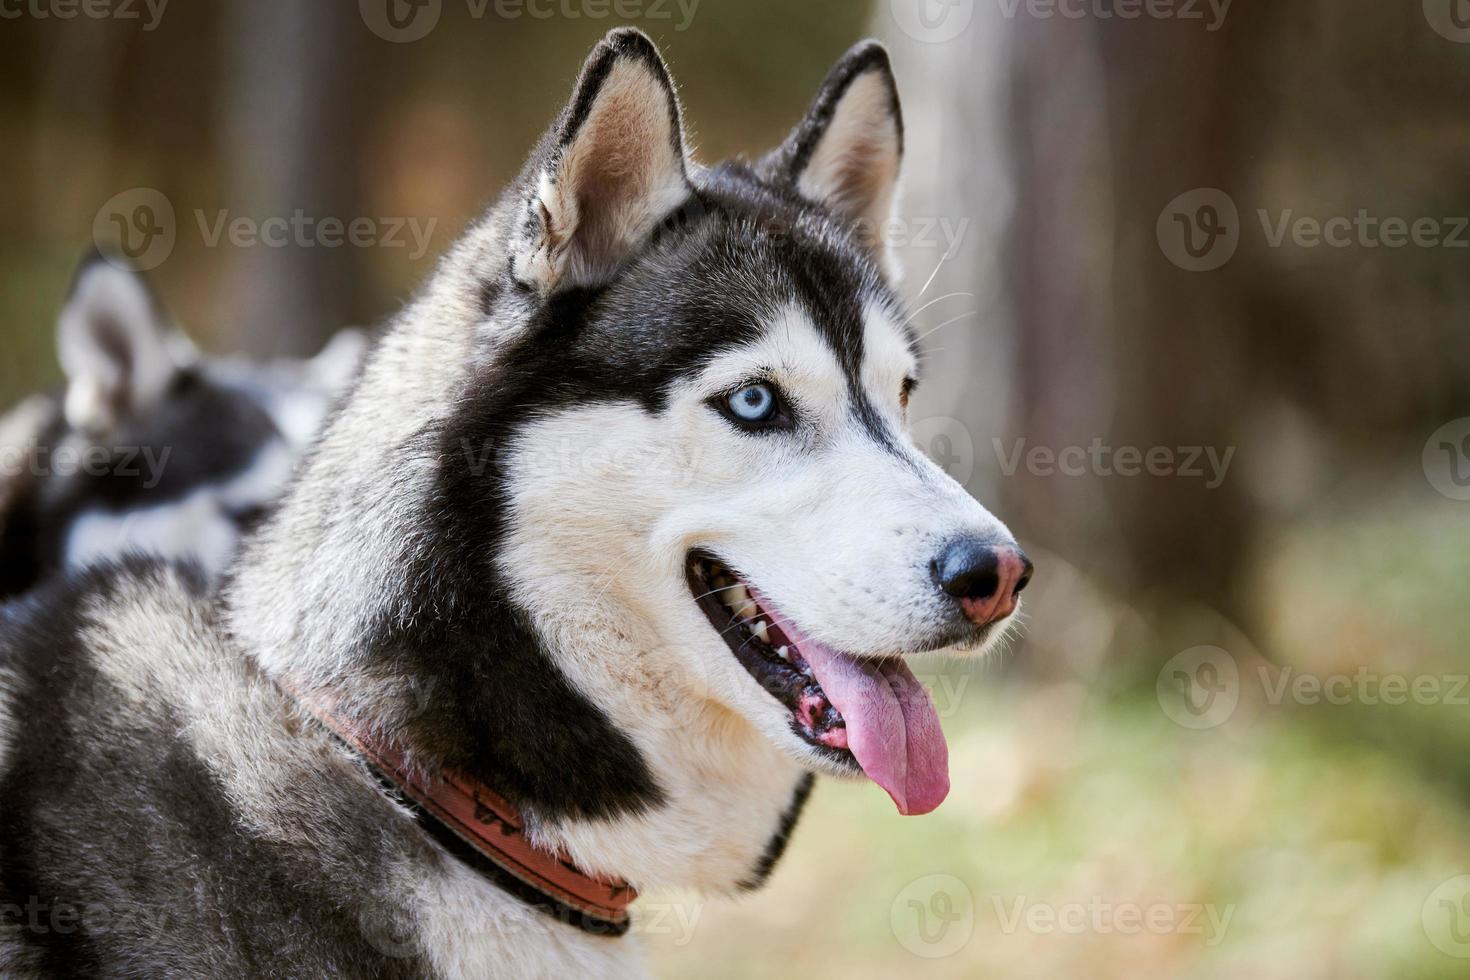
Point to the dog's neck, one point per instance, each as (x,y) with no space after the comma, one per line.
(373,584)
(728,796)
(723,798)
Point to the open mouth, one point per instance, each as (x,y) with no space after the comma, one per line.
(769,655)
(868,714)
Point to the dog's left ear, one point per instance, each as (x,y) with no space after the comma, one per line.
(616,169)
(846,154)
(118,349)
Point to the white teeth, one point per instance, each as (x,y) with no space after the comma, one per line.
(784,653)
(761,632)
(737,599)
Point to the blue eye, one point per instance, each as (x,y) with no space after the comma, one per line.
(753,404)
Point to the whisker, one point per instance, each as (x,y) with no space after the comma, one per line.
(778,623)
(723,588)
(761,614)
(940,299)
(737,622)
(948,254)
(605,585)
(935,330)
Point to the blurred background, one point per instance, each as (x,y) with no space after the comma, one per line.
(1193,277)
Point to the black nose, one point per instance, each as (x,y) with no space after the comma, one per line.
(985,577)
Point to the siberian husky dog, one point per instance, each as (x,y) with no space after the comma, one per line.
(616,542)
(152,447)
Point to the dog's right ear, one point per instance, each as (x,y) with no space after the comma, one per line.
(846,154)
(616,169)
(116,347)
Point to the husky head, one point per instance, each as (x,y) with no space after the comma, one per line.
(630,488)
(710,422)
(151,448)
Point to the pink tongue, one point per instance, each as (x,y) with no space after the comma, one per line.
(892,727)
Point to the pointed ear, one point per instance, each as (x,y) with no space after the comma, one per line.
(847,152)
(615,168)
(116,346)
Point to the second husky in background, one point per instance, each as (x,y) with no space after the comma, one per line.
(152,448)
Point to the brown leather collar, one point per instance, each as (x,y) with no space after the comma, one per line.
(483,829)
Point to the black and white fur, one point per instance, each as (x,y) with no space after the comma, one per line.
(151,448)
(485,560)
